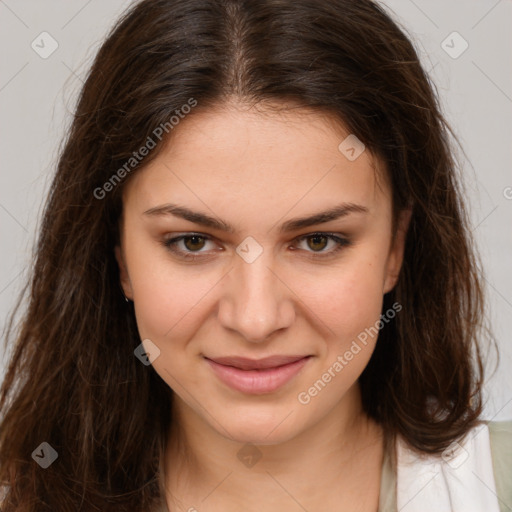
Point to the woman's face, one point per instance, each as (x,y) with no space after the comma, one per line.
(252,281)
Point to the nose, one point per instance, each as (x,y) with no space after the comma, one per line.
(256,301)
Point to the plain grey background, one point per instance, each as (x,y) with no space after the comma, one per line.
(465,45)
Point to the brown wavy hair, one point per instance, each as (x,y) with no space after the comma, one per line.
(73,380)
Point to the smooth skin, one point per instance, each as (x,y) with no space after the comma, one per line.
(255,170)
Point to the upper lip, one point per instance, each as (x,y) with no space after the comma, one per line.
(245,363)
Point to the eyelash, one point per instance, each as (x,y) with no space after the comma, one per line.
(340,244)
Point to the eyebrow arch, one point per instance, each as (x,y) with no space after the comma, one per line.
(203,219)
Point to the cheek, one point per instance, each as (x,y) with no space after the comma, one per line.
(169,307)
(350,307)
(167,299)
(169,310)
(348,300)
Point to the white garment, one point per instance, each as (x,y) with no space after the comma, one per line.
(459,480)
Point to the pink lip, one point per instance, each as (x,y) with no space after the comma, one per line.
(257,376)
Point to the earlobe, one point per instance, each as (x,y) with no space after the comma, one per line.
(123,273)
(396,255)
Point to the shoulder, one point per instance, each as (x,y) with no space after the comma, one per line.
(500,436)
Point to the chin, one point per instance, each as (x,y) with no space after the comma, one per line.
(249,435)
(260,427)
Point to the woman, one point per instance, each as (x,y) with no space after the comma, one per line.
(271,187)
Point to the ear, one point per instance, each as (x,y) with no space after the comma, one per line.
(396,253)
(123,273)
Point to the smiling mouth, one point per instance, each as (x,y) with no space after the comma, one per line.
(257,376)
(244,363)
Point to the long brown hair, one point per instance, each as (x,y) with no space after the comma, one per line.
(73,381)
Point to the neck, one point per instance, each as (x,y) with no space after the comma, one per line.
(338,450)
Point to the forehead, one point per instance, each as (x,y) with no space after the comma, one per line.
(264,158)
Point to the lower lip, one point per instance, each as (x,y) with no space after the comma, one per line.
(257,382)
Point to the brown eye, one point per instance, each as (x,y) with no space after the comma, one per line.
(188,246)
(194,242)
(317,243)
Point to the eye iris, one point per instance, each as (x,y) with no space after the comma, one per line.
(194,239)
(317,237)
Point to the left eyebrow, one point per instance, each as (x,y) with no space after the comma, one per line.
(333,213)
(336,212)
